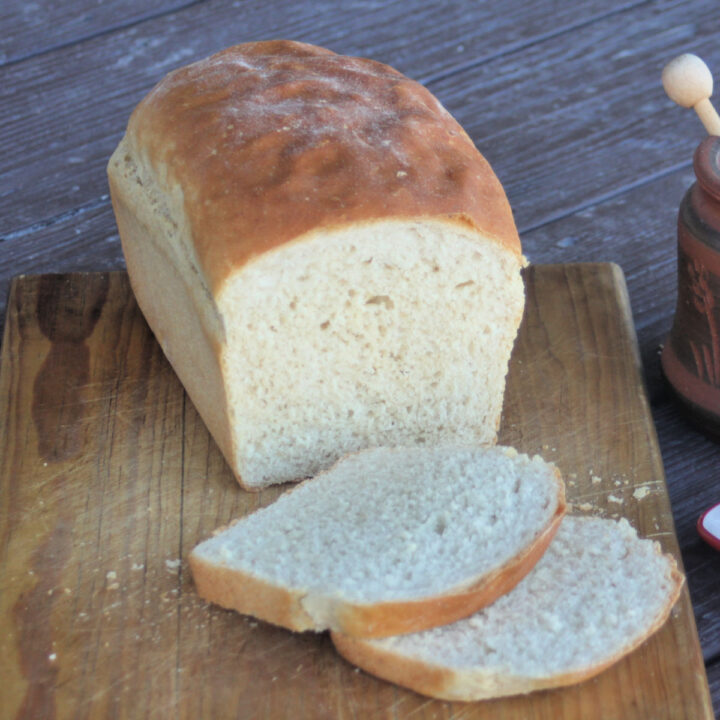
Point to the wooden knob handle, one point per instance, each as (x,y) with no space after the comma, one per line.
(688,81)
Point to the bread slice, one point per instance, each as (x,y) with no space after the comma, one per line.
(596,594)
(388,541)
(324,256)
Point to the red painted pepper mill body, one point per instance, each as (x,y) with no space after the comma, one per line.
(691,357)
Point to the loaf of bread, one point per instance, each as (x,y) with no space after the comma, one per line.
(595,595)
(324,256)
(388,541)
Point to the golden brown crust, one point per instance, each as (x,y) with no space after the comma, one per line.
(161,294)
(229,589)
(271,140)
(474,683)
(426,679)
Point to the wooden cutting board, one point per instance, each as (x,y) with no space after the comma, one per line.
(108,478)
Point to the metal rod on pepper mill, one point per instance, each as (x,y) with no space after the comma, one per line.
(688,82)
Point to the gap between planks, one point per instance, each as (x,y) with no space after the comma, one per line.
(117,27)
(525,44)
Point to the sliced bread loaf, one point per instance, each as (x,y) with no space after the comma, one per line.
(324,256)
(388,541)
(597,593)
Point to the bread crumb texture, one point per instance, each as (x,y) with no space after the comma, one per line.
(597,590)
(396,333)
(389,524)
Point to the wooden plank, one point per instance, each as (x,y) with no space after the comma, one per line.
(54,161)
(102,413)
(31,28)
(108,478)
(595,119)
(79,242)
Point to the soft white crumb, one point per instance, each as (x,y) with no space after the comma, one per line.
(641,492)
(615,499)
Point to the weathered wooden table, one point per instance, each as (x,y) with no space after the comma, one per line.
(564,99)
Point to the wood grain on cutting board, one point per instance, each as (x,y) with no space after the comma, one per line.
(108,478)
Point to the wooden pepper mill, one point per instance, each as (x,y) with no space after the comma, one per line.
(691,356)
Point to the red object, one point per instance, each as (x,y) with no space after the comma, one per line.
(709,526)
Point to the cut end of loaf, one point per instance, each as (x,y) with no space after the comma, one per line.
(394,332)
